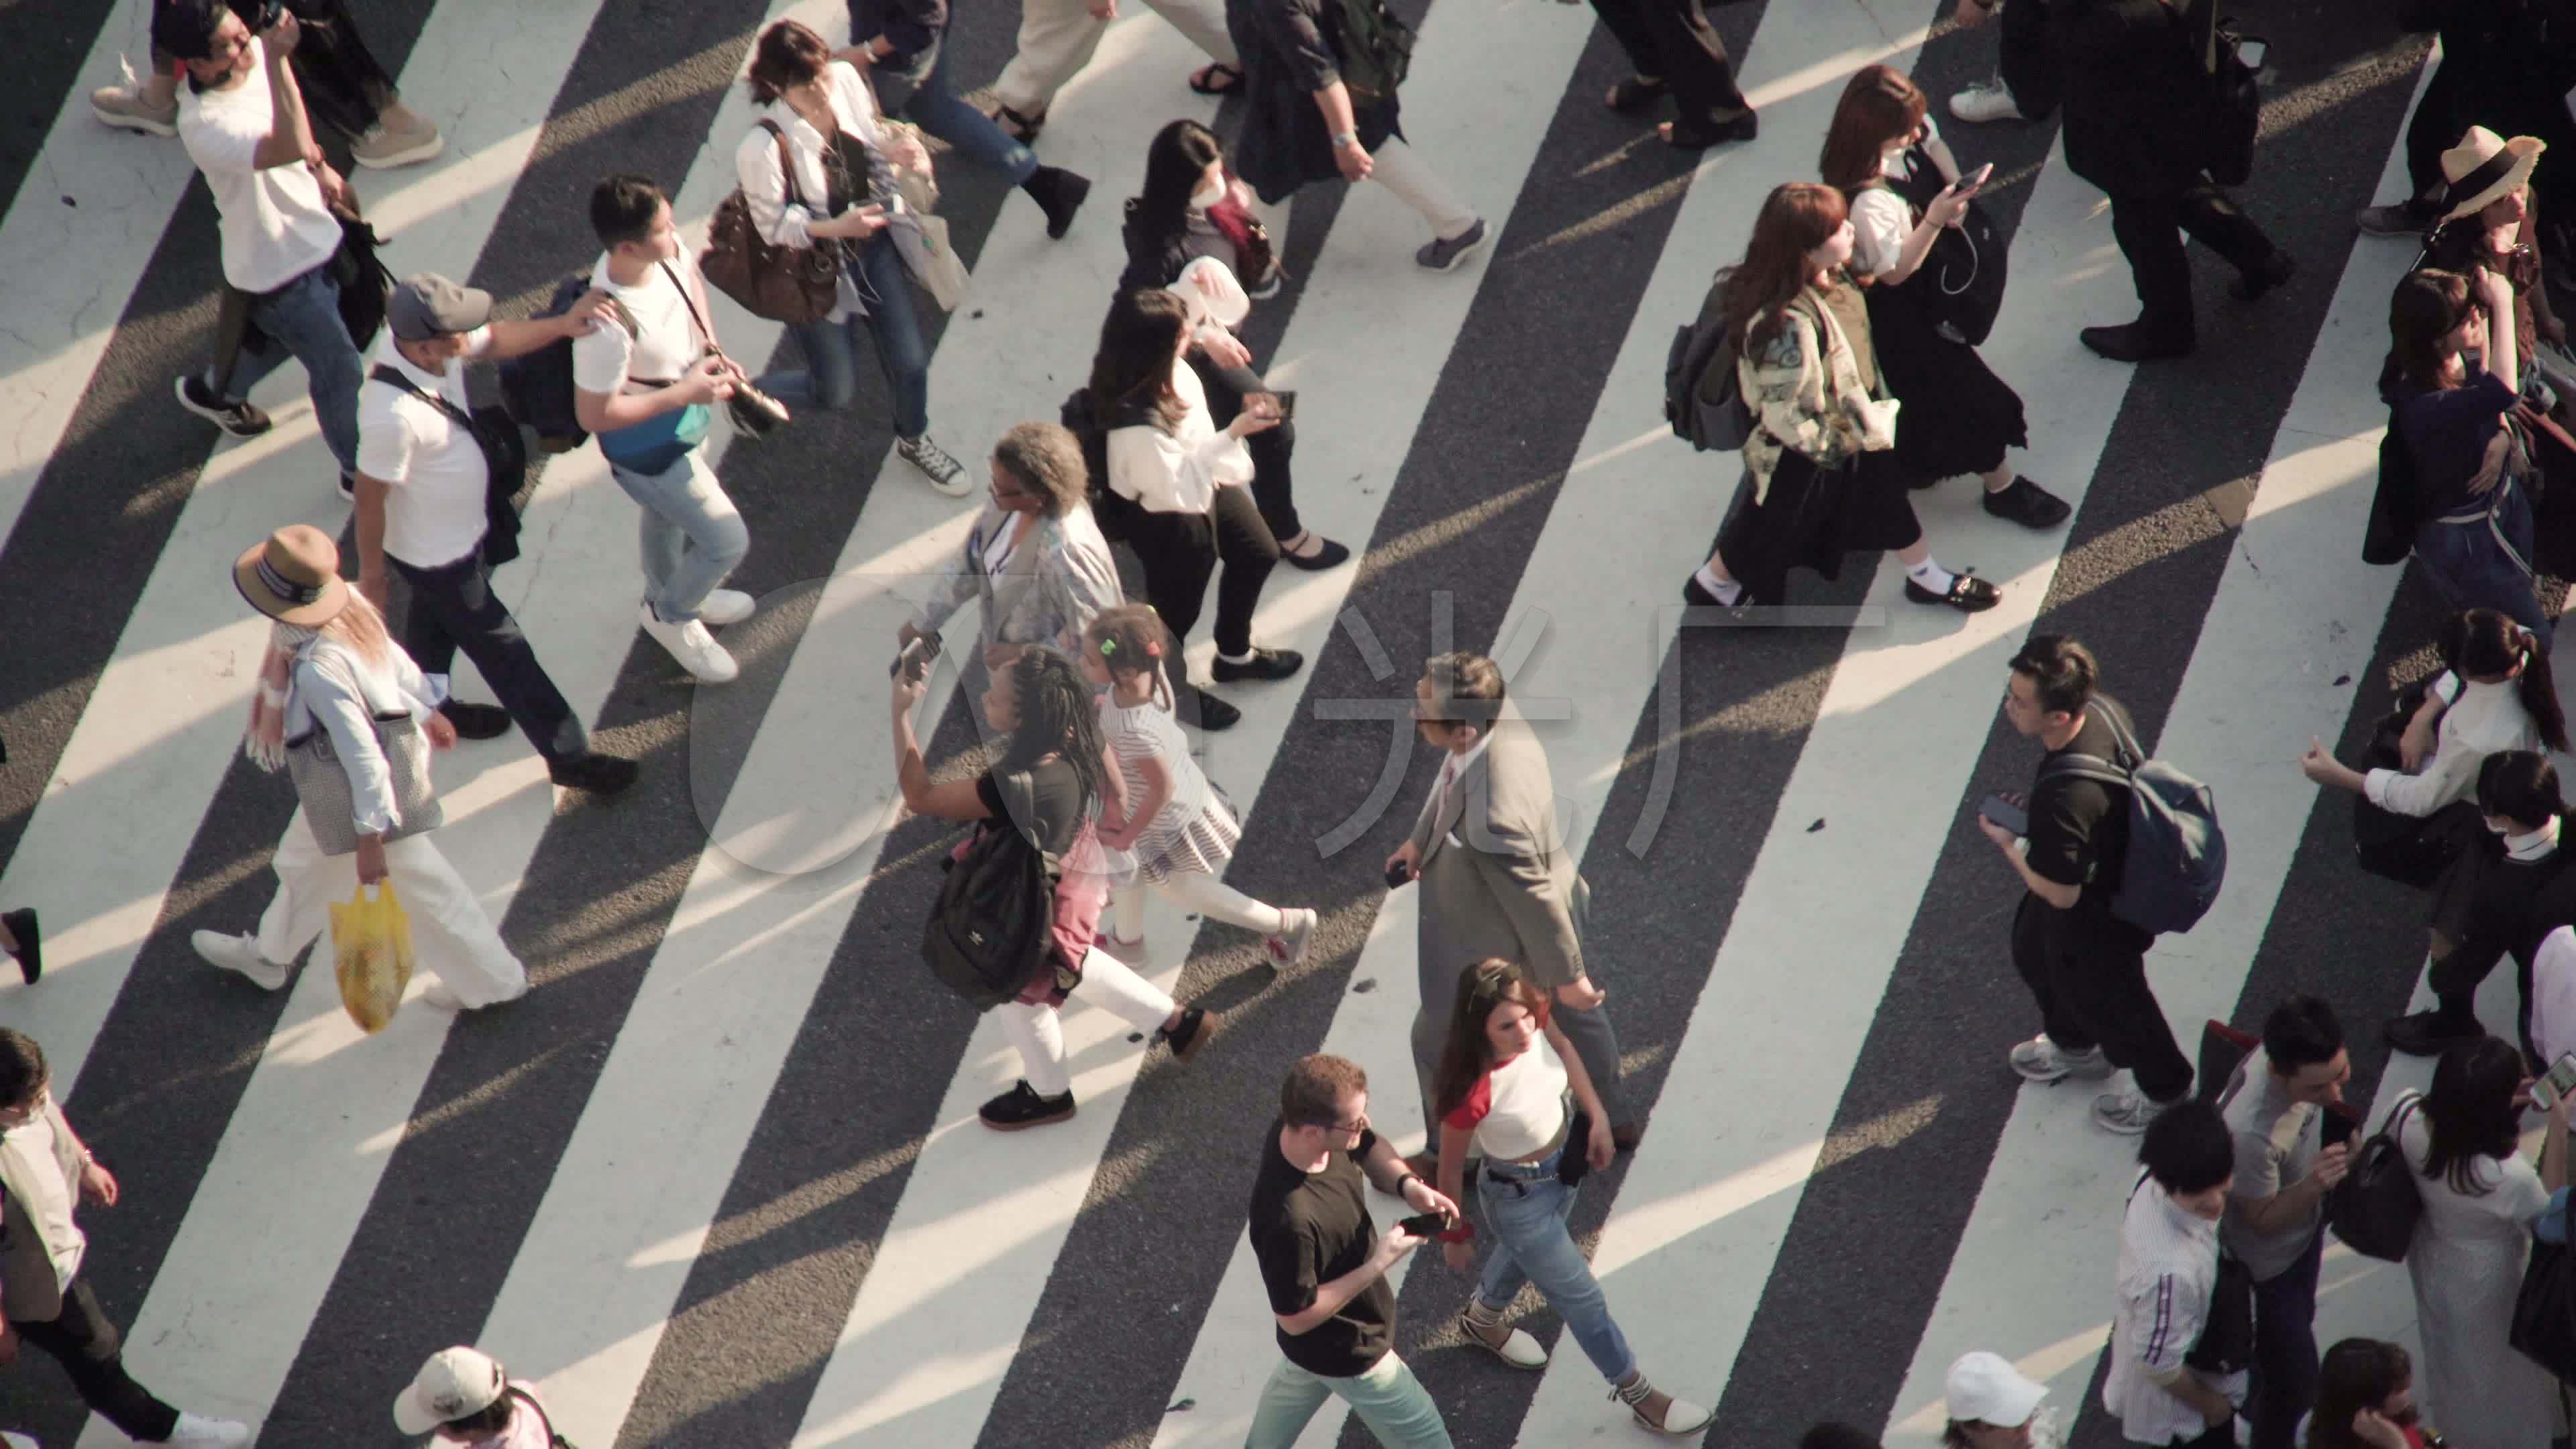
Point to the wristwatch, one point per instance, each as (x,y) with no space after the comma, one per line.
(1345,138)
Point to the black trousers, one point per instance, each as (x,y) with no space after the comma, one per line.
(2149,230)
(2028,66)
(1672,40)
(1180,550)
(1273,487)
(2434,129)
(453,607)
(2285,1349)
(2091,986)
(89,1349)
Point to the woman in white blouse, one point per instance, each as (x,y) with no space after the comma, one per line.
(2497,696)
(1888,160)
(2480,1198)
(1177,487)
(841,194)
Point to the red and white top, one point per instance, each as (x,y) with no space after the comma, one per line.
(1519,1107)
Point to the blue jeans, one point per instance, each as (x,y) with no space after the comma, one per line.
(1387,1398)
(1528,1243)
(2472,568)
(302,320)
(691,536)
(830,376)
(920,94)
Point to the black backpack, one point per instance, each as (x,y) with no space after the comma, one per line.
(1108,510)
(1710,424)
(536,387)
(1374,47)
(505,463)
(995,916)
(1961,282)
(2236,101)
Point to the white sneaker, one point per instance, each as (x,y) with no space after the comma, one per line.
(1289,946)
(1980,104)
(380,148)
(2127,1113)
(125,108)
(197,1430)
(19,1441)
(725,606)
(1517,1348)
(239,953)
(2043,1061)
(695,648)
(439,994)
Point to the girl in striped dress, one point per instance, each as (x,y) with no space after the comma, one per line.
(1177,826)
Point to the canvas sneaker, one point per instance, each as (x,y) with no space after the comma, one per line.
(944,472)
(196,1431)
(695,648)
(381,147)
(2127,1113)
(2043,1061)
(125,108)
(1985,103)
(1021,1107)
(239,953)
(239,419)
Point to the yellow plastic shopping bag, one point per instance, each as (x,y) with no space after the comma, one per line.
(371,940)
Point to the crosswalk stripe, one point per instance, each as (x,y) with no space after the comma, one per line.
(2294,614)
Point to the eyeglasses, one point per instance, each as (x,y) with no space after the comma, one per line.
(1360,1124)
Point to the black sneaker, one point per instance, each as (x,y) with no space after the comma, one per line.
(31,942)
(590,770)
(1968,593)
(1264,664)
(2422,1033)
(2026,503)
(1213,713)
(240,419)
(2131,343)
(476,721)
(1197,1025)
(1021,1108)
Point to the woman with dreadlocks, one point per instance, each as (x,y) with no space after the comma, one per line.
(1049,781)
(334,687)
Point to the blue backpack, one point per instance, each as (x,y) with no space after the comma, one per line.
(2177,853)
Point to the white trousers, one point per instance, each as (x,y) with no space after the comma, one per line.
(1399,169)
(1107,981)
(450,933)
(1194,890)
(1057,38)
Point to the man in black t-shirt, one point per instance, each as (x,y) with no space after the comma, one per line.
(1326,1267)
(2086,967)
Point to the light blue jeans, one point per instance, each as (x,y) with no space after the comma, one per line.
(1388,1398)
(302,320)
(1527,1242)
(691,536)
(830,376)
(923,97)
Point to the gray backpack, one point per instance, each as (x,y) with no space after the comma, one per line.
(1710,424)
(2177,853)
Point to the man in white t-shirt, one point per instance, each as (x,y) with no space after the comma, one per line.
(424,500)
(243,123)
(646,388)
(46,1172)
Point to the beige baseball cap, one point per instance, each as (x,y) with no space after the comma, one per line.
(454,1383)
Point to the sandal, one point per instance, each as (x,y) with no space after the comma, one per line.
(1635,94)
(1020,128)
(1216,78)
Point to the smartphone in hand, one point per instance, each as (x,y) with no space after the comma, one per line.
(915,658)
(1975,181)
(1398,875)
(1425,1225)
(2555,1083)
(2005,813)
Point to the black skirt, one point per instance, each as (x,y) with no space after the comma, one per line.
(1958,417)
(1810,517)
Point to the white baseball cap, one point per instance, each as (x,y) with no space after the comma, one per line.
(1984,1388)
(454,1383)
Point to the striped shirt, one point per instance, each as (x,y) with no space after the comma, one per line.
(2168,1267)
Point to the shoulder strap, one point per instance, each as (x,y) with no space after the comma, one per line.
(786,162)
(687,301)
(513,1391)
(382,373)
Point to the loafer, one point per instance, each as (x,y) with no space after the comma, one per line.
(2276,269)
(2131,343)
(2026,503)
(590,770)
(2429,1033)
(1213,713)
(1742,127)
(476,721)
(1265,664)
(1968,593)
(1021,1108)
(1327,555)
(31,942)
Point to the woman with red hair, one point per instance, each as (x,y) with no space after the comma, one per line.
(1823,472)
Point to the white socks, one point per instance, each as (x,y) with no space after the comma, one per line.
(1725,591)
(1930,575)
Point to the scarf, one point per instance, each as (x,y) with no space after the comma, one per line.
(265,741)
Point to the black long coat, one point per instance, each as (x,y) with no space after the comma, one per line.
(1290,51)
(2137,96)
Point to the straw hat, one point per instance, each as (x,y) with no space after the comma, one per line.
(2483,168)
(293,577)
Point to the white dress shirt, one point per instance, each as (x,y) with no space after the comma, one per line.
(2168,1267)
(1178,471)
(2486,719)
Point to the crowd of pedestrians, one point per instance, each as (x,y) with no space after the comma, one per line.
(1852,362)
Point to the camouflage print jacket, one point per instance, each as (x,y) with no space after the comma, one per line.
(1806,398)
